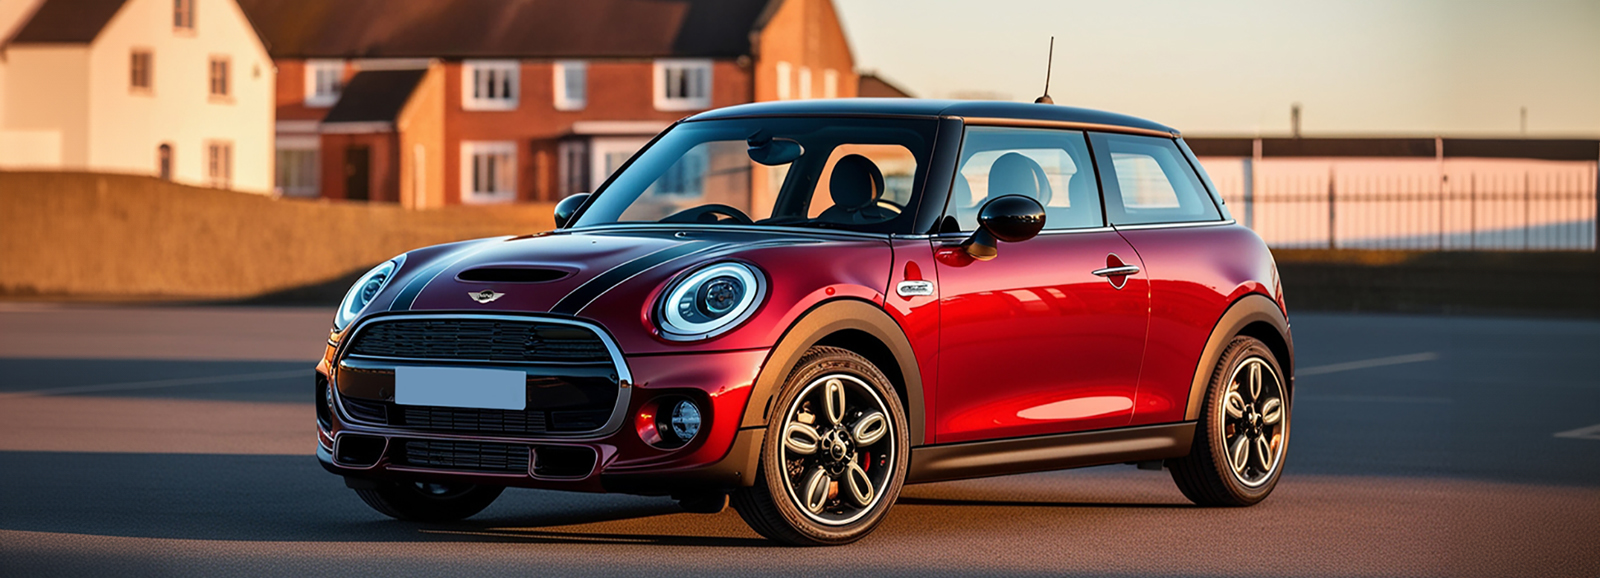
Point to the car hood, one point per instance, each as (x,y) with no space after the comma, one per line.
(590,265)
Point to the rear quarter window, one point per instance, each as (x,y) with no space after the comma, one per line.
(1150,182)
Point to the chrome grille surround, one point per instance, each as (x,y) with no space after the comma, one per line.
(618,364)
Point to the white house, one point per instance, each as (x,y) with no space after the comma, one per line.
(178,89)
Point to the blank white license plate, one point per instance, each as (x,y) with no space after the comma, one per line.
(461,387)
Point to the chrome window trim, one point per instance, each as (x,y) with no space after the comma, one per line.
(962,236)
(618,362)
(1185,225)
(814,231)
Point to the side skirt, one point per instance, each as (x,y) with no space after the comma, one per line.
(1052,452)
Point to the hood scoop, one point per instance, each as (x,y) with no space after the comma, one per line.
(511,274)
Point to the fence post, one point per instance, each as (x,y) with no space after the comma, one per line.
(1472,227)
(1527,209)
(1250,184)
(1597,204)
(1333,240)
(1441,181)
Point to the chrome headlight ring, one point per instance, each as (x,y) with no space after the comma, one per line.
(364,291)
(709,301)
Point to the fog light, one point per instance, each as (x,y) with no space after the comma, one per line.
(685,420)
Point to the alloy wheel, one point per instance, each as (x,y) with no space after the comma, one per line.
(1253,421)
(837,449)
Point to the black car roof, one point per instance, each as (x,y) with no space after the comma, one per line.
(934,108)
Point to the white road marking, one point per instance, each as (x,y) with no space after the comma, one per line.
(1582,433)
(1376,399)
(1368,363)
(133,385)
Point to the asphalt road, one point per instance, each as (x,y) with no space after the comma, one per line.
(178,441)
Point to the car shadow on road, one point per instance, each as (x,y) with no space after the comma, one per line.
(908,501)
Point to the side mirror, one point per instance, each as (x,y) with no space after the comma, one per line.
(569,207)
(1009,218)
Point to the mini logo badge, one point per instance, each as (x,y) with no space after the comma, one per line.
(485,296)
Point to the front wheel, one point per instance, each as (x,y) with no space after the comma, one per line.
(834,456)
(1243,434)
(425,502)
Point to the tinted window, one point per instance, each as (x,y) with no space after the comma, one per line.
(1151,182)
(1052,166)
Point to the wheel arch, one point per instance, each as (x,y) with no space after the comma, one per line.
(852,324)
(1253,315)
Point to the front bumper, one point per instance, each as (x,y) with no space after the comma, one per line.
(613,458)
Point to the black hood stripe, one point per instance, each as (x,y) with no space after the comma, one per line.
(408,295)
(585,294)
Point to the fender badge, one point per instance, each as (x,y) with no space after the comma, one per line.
(914,288)
(485,296)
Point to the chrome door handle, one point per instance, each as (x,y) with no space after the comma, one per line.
(1122,271)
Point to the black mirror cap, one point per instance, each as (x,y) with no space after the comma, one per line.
(1010,218)
(569,207)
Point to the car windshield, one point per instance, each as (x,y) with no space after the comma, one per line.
(859,174)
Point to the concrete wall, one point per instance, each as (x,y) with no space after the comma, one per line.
(97,235)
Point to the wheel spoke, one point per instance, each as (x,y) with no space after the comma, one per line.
(801,438)
(869,429)
(1263,452)
(1239,453)
(833,401)
(816,496)
(860,486)
(1255,380)
(1272,411)
(1234,404)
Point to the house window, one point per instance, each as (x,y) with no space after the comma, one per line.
(324,81)
(164,161)
(683,84)
(572,84)
(297,172)
(183,14)
(830,83)
(489,172)
(785,72)
(574,167)
(219,77)
(219,164)
(489,85)
(139,71)
(805,82)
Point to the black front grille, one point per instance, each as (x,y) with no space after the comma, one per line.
(473,420)
(474,456)
(480,340)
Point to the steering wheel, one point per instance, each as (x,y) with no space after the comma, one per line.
(708,214)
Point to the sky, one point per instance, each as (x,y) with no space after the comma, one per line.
(1357,67)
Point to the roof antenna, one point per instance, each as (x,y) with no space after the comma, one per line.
(1049,61)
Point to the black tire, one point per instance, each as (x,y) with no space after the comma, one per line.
(770,508)
(1207,476)
(419,502)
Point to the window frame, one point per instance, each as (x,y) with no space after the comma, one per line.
(805,83)
(226,78)
(148,69)
(470,150)
(304,145)
(223,178)
(183,16)
(830,83)
(783,80)
(1111,188)
(706,83)
(314,98)
(469,84)
(563,97)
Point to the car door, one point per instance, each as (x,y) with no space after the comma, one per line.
(1194,258)
(1042,339)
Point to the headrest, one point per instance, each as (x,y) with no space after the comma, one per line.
(1015,174)
(856,182)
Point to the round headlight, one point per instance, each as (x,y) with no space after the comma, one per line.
(710,300)
(363,292)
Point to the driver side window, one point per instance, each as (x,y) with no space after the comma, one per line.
(1051,166)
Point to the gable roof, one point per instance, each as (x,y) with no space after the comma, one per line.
(506,28)
(67,22)
(375,96)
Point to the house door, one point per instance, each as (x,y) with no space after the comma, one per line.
(357,172)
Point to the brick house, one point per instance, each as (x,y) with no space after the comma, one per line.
(430,104)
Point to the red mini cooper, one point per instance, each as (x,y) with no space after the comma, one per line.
(803,306)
